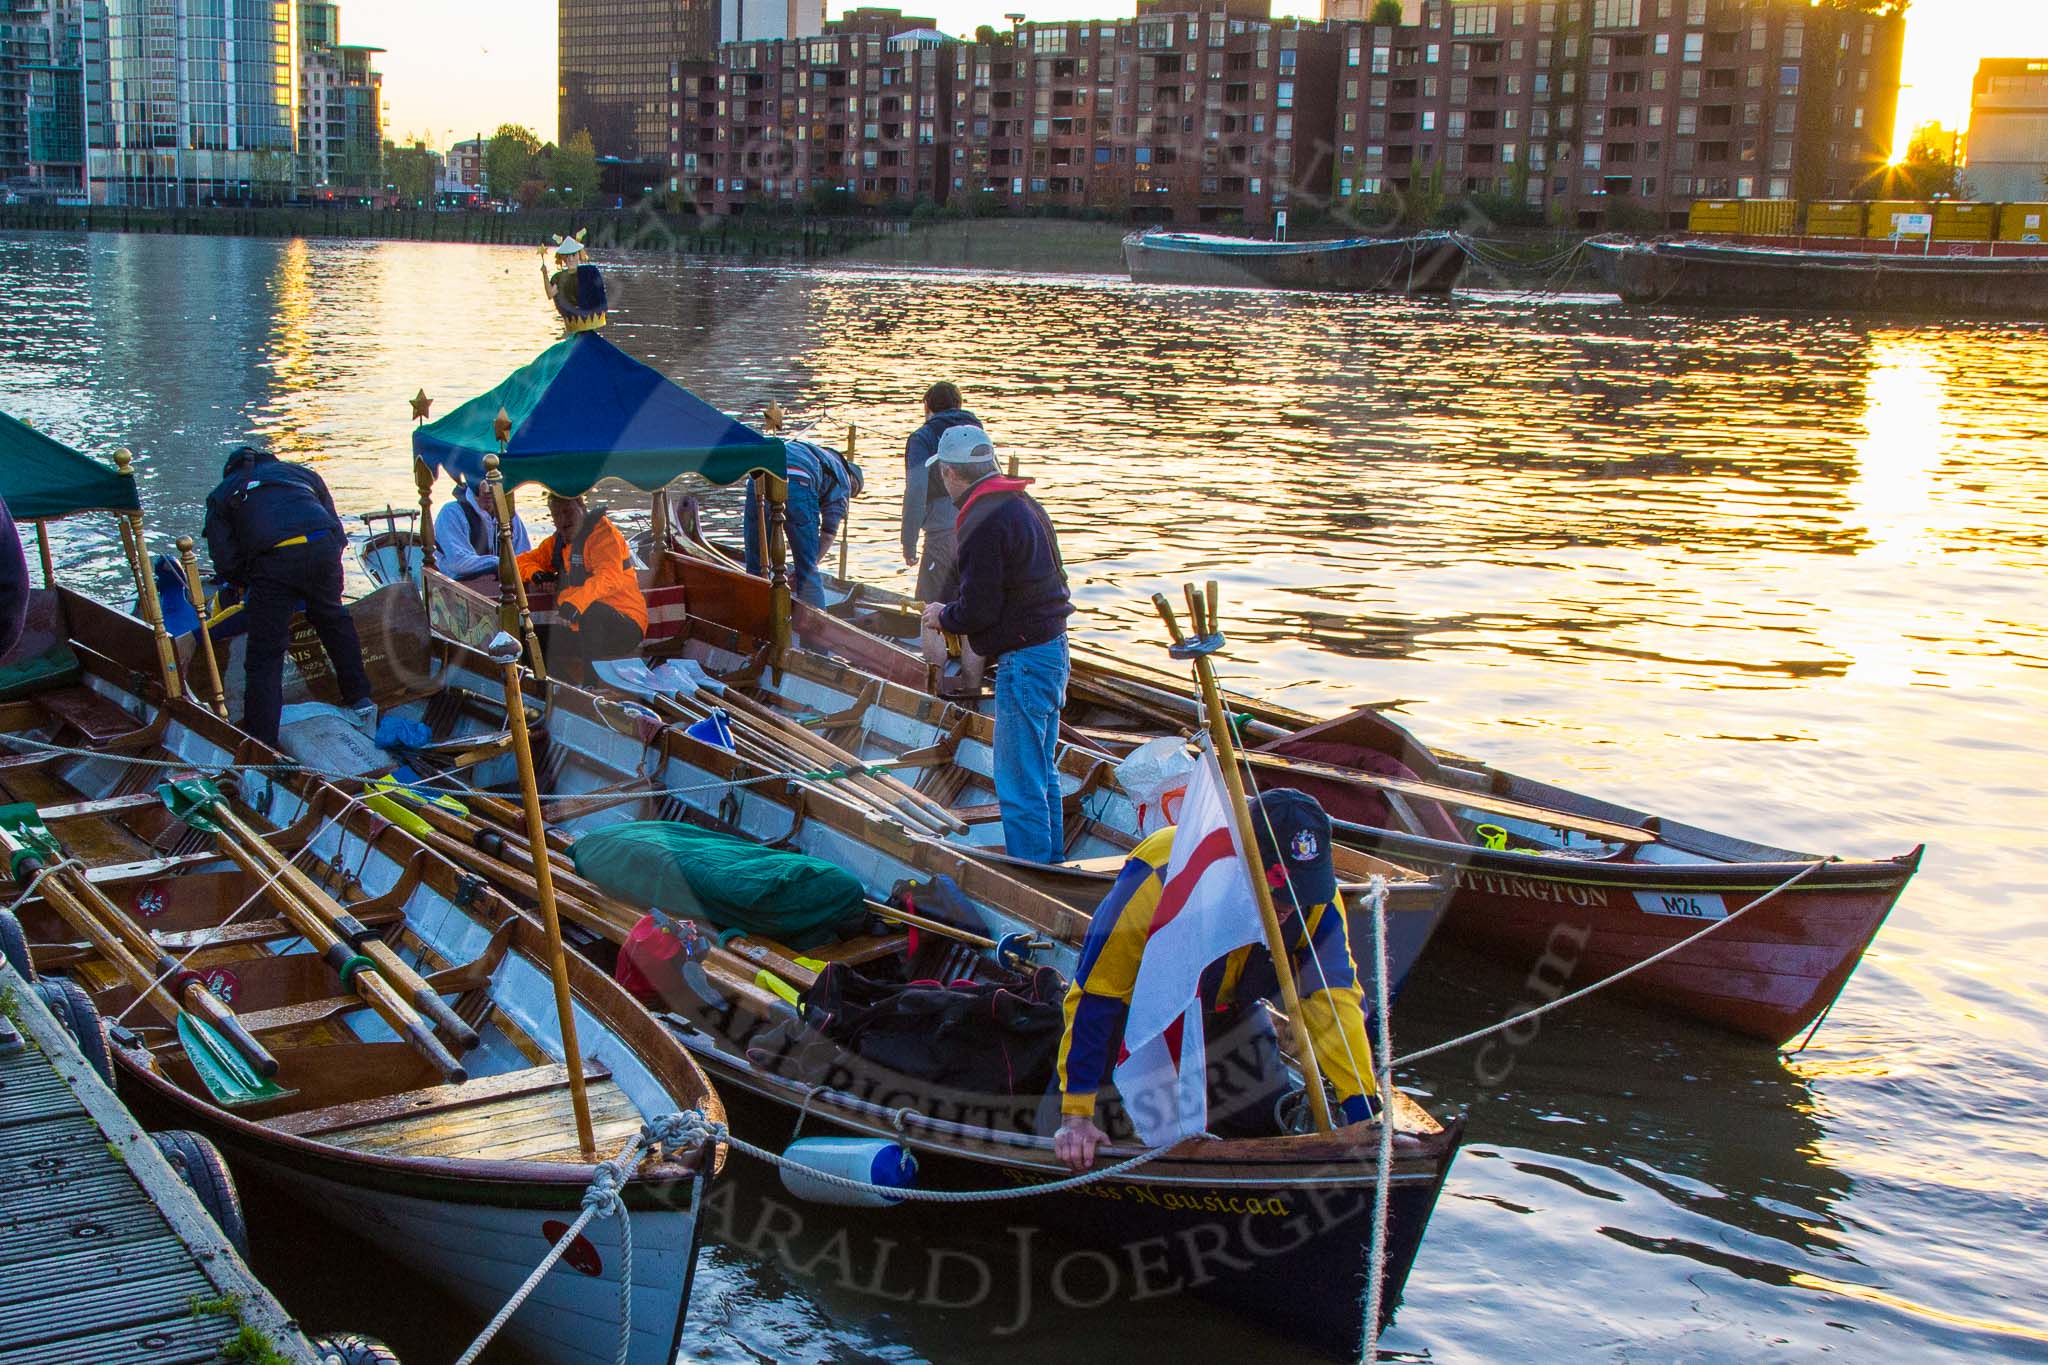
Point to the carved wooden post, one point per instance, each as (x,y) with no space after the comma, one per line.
(145,585)
(218,698)
(423,479)
(778,567)
(511,587)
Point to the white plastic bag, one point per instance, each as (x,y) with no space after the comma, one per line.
(1155,777)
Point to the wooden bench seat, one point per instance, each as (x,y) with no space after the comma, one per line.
(512,1116)
(89,713)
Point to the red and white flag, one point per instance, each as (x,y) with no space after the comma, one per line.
(1206,909)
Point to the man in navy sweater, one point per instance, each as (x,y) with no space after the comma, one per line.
(272,530)
(1012,606)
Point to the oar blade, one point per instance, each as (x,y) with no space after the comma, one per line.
(222,1070)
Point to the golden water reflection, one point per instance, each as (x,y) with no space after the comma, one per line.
(1780,575)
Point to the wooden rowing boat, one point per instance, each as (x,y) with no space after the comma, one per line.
(1280,1213)
(1576,878)
(465,1175)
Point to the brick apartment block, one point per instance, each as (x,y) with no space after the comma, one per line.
(1212,111)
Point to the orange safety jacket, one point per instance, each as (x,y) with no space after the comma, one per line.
(598,568)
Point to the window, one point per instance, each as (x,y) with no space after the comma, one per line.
(1788,80)
(1795,39)
(1429,120)
(1859,116)
(1662,45)
(1470,19)
(1695,46)
(1617,13)
(1283,94)
(1688,119)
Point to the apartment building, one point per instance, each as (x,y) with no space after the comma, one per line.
(2008,138)
(189,102)
(1212,111)
(341,108)
(856,111)
(1579,106)
(42,120)
(1180,114)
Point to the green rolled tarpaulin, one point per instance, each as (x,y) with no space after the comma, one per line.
(584,410)
(42,478)
(701,874)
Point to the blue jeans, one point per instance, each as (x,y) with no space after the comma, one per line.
(801,530)
(1031,689)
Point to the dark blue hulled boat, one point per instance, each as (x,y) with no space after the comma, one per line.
(1424,263)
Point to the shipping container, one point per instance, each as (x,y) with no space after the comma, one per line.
(2023,223)
(1899,218)
(1961,221)
(1835,218)
(1769,217)
(1716,215)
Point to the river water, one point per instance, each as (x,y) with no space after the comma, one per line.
(1783,577)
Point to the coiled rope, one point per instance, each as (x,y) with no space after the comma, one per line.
(1382,1193)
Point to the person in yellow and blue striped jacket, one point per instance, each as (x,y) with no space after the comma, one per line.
(1250,1070)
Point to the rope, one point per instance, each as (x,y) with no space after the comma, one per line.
(600,1200)
(1625,972)
(716,1132)
(653,793)
(1376,1263)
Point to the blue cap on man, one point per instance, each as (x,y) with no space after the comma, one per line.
(1293,834)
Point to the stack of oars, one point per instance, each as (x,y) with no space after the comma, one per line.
(367,965)
(766,738)
(128,948)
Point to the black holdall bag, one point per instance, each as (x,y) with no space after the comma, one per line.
(994,1037)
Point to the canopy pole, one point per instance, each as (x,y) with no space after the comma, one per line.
(145,585)
(1207,641)
(846,523)
(513,610)
(190,561)
(43,552)
(423,479)
(505,650)
(778,568)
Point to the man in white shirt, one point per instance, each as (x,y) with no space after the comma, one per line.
(466,537)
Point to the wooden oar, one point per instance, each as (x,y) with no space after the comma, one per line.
(154,977)
(336,918)
(359,971)
(1454,796)
(802,739)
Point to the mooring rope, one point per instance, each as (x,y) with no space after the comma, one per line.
(1606,981)
(1382,1193)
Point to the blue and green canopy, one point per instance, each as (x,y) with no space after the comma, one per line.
(42,478)
(584,410)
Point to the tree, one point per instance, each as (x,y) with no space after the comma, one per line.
(1930,165)
(409,170)
(572,171)
(270,175)
(1386,14)
(985,34)
(508,162)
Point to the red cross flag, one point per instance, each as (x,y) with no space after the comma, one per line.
(1206,909)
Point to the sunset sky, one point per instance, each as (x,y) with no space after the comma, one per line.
(448,75)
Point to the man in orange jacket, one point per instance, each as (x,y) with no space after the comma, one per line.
(600,612)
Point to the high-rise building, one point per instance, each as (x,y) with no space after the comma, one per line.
(190,102)
(2007,156)
(614,58)
(341,113)
(41,142)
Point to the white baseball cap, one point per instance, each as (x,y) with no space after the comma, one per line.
(963,445)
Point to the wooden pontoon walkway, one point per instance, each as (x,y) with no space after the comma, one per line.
(105,1256)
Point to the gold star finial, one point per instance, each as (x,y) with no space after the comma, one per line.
(420,404)
(503,426)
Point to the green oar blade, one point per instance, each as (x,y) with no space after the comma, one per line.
(228,1077)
